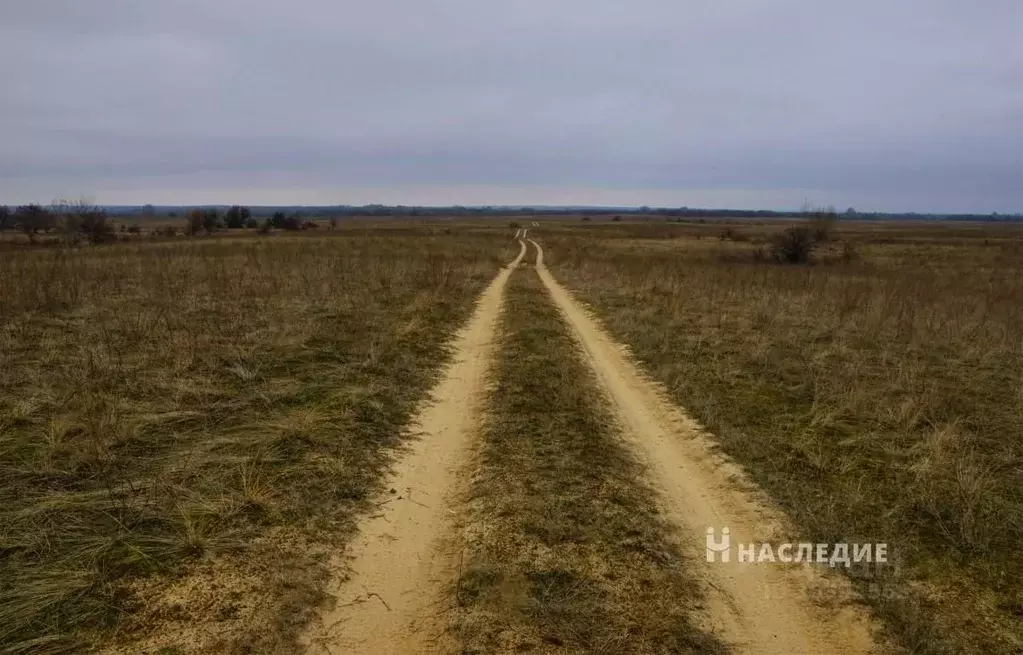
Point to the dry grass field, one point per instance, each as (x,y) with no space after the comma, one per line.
(876,394)
(191,429)
(188,427)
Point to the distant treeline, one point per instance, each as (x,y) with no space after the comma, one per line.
(462,211)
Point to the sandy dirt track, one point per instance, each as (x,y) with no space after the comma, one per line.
(389,586)
(761,608)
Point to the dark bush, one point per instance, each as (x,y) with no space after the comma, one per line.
(80,218)
(32,219)
(210,220)
(94,225)
(237,217)
(281,221)
(794,246)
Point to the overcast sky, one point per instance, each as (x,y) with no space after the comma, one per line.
(877,104)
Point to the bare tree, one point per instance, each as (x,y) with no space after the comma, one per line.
(5,217)
(32,219)
(92,221)
(81,218)
(65,219)
(823,221)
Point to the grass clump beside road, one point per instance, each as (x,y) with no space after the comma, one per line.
(877,398)
(568,551)
(186,429)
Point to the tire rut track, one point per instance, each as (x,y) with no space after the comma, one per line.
(756,608)
(567,549)
(389,586)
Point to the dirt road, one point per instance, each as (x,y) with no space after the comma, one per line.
(389,585)
(759,608)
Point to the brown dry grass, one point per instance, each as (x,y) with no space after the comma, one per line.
(568,552)
(187,427)
(877,397)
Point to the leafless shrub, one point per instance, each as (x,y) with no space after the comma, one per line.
(823,221)
(80,218)
(32,219)
(794,245)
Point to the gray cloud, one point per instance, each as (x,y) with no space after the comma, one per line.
(915,104)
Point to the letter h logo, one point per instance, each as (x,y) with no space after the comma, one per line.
(714,546)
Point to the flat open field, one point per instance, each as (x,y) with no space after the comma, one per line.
(187,427)
(876,394)
(507,437)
